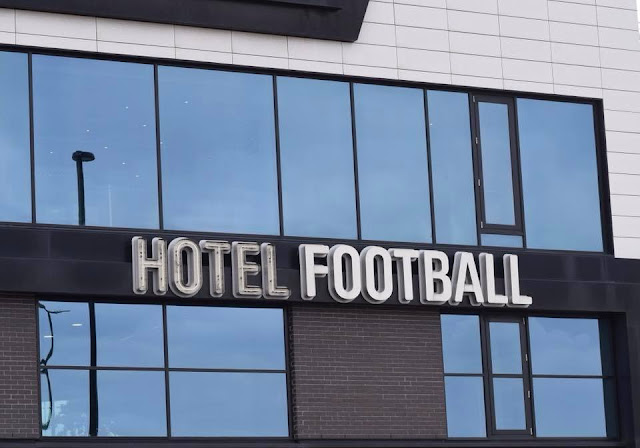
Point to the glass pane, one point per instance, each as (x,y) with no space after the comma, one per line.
(452,168)
(218,151)
(225,338)
(559,175)
(465,406)
(495,240)
(228,404)
(461,344)
(129,335)
(393,183)
(316,154)
(95,109)
(497,178)
(506,355)
(131,404)
(15,149)
(508,400)
(65,403)
(565,346)
(567,407)
(64,333)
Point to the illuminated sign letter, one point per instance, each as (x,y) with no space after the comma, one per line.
(465,280)
(157,264)
(216,251)
(404,263)
(309,270)
(376,262)
(344,289)
(179,248)
(488,281)
(512,283)
(242,269)
(270,288)
(435,285)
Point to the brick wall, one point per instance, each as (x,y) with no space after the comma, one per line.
(366,373)
(19,416)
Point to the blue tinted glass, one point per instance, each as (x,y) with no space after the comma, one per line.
(15,159)
(461,344)
(218,151)
(64,399)
(489,239)
(232,338)
(569,407)
(107,109)
(64,333)
(565,346)
(228,404)
(131,404)
(129,335)
(465,406)
(508,400)
(392,163)
(316,154)
(497,179)
(452,168)
(506,356)
(559,175)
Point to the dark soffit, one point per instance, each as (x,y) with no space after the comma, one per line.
(321,19)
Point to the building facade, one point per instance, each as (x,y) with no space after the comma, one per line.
(319,223)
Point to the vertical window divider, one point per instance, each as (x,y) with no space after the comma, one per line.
(93,373)
(476,168)
(429,168)
(276,118)
(527,346)
(355,159)
(31,138)
(485,350)
(518,179)
(288,359)
(156,95)
(165,338)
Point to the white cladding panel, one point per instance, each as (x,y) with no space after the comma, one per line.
(587,48)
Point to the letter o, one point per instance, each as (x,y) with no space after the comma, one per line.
(376,262)
(341,291)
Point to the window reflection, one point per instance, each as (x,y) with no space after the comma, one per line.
(15,163)
(129,335)
(105,109)
(226,338)
(393,183)
(65,403)
(64,333)
(228,404)
(218,151)
(506,352)
(461,344)
(131,404)
(465,406)
(508,400)
(452,168)
(316,157)
(559,175)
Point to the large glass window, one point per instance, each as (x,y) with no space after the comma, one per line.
(572,374)
(217,134)
(95,142)
(104,371)
(452,168)
(393,176)
(542,377)
(559,175)
(15,160)
(316,157)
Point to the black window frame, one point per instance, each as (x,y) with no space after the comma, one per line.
(598,120)
(484,227)
(93,370)
(612,403)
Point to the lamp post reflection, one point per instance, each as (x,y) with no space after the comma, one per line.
(80,157)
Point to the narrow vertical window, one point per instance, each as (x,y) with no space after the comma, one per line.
(497,173)
(452,168)
(15,169)
(393,173)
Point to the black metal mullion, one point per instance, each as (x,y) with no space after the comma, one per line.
(156,89)
(355,159)
(32,151)
(429,167)
(93,374)
(276,117)
(167,389)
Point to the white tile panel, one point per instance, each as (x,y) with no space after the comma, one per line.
(532,50)
(625,205)
(314,50)
(560,11)
(533,9)
(203,39)
(626,247)
(574,33)
(615,38)
(315,66)
(34,40)
(524,28)
(622,121)
(217,57)
(479,44)
(471,22)
(259,45)
(424,60)
(626,226)
(129,32)
(624,4)
(418,76)
(370,72)
(617,18)
(575,54)
(379,12)
(622,100)
(60,25)
(250,60)
(627,184)
(519,70)
(369,55)
(620,80)
(526,86)
(485,6)
(621,59)
(477,81)
(577,91)
(623,141)
(7,20)
(7,38)
(421,17)
(481,66)
(422,38)
(378,34)
(135,49)
(577,75)
(624,163)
